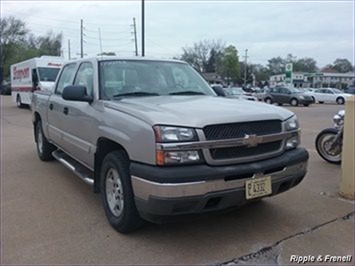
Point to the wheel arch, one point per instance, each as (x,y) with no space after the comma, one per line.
(35,119)
(103,147)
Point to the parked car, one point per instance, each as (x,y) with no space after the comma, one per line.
(152,137)
(329,95)
(6,88)
(237,92)
(350,91)
(306,90)
(233,92)
(292,96)
(260,94)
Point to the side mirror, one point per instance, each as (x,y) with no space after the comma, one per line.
(219,91)
(76,93)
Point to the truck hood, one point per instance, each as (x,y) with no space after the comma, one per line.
(196,111)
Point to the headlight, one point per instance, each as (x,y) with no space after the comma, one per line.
(174,134)
(341,113)
(292,125)
(178,157)
(337,119)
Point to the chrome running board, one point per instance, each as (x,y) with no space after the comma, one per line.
(81,171)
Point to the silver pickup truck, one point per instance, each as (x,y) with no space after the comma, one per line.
(154,139)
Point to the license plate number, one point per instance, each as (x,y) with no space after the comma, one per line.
(258,187)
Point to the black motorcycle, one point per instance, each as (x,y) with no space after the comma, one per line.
(329,142)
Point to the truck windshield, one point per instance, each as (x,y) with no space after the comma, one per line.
(47,73)
(135,78)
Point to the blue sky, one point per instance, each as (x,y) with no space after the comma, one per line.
(319,29)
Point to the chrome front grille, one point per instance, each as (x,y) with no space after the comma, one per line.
(242,152)
(239,130)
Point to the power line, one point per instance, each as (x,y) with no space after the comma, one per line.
(51,18)
(105,39)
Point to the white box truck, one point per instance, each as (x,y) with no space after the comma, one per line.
(37,73)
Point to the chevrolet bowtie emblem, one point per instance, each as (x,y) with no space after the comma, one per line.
(252,140)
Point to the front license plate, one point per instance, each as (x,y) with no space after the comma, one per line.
(258,187)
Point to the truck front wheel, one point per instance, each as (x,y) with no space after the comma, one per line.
(44,148)
(117,194)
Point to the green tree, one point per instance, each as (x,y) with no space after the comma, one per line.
(12,33)
(17,43)
(343,65)
(230,68)
(203,55)
(276,65)
(50,44)
(305,65)
(261,72)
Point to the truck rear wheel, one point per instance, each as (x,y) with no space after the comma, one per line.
(18,102)
(44,148)
(117,193)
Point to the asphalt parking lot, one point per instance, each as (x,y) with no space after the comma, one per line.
(49,216)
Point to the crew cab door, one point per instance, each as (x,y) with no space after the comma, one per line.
(55,106)
(329,95)
(79,125)
(276,95)
(284,95)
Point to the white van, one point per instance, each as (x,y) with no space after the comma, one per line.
(34,74)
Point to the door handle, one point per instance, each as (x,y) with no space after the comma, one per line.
(65,110)
(51,106)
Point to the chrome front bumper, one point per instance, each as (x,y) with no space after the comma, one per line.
(144,189)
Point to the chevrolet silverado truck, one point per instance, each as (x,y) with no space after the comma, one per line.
(155,140)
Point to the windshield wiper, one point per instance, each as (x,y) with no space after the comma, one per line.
(187,93)
(138,93)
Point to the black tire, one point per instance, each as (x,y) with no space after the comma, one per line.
(327,131)
(294,102)
(127,218)
(279,104)
(268,100)
(340,100)
(18,102)
(321,102)
(44,148)
(306,104)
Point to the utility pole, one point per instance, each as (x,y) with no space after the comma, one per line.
(245,67)
(81,39)
(100,41)
(135,35)
(143,52)
(69,49)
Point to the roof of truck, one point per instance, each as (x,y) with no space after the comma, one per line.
(126,58)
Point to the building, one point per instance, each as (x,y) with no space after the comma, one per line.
(326,78)
(299,80)
(334,80)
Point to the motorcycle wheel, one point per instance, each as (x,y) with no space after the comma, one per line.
(323,140)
